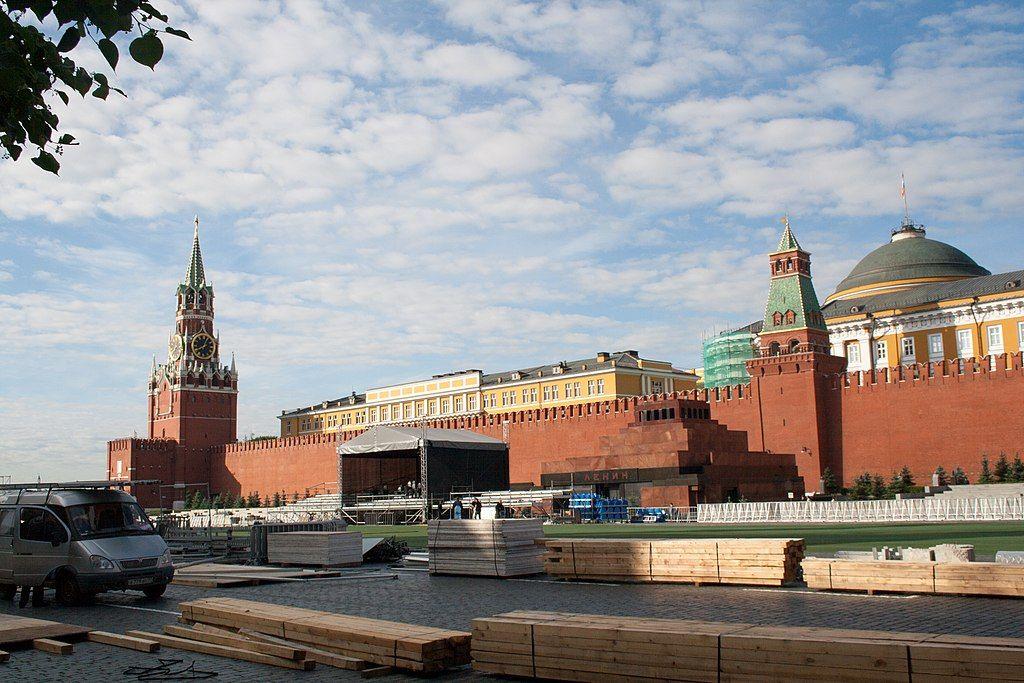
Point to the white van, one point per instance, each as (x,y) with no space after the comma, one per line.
(81,539)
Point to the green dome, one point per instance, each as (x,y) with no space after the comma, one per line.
(908,257)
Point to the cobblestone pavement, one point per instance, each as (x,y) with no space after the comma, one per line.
(453,601)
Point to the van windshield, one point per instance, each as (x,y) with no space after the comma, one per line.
(108,519)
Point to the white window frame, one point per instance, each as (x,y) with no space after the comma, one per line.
(905,343)
(591,387)
(881,351)
(600,385)
(853,357)
(1020,336)
(994,347)
(936,351)
(965,350)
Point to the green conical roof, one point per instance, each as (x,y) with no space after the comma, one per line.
(195,277)
(788,241)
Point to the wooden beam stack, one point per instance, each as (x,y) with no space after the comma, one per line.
(485,547)
(316,548)
(598,559)
(763,562)
(577,647)
(968,578)
(421,649)
(580,647)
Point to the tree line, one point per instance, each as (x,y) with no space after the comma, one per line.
(197,500)
(874,486)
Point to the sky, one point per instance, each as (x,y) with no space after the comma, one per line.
(393,190)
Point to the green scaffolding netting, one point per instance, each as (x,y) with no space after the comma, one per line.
(725,359)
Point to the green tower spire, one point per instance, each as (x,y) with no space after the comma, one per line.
(792,302)
(194,276)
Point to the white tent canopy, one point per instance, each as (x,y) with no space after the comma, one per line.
(382,439)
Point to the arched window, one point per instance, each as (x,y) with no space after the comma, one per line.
(778,265)
(790,317)
(777,318)
(774,349)
(789,264)
(794,344)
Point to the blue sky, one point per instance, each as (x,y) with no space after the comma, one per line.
(392,190)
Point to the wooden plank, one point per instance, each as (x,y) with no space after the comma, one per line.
(236,641)
(317,655)
(17,630)
(119,640)
(54,647)
(223,651)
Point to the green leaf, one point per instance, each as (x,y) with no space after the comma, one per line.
(109,51)
(47,162)
(66,139)
(14,151)
(147,7)
(147,50)
(83,81)
(69,40)
(101,91)
(177,32)
(63,95)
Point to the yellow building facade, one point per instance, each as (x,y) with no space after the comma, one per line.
(472,392)
(917,300)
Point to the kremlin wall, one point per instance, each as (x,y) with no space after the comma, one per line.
(768,439)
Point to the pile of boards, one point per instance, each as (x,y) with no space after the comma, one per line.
(581,647)
(212,575)
(752,561)
(951,578)
(334,639)
(52,637)
(485,547)
(316,548)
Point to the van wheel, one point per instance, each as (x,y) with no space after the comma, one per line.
(154,592)
(7,592)
(68,590)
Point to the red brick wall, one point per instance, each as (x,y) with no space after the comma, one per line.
(953,417)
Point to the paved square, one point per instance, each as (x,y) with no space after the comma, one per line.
(452,602)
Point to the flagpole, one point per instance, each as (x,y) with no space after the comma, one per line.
(903,194)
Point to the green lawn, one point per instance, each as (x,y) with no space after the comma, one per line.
(987,537)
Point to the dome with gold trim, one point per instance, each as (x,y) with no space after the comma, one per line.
(908,260)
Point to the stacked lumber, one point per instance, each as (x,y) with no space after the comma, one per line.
(764,562)
(212,575)
(685,561)
(980,578)
(598,559)
(316,548)
(485,547)
(968,578)
(422,649)
(958,658)
(761,561)
(582,647)
(802,654)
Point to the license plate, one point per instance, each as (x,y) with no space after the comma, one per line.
(140,581)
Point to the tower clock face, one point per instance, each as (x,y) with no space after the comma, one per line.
(175,347)
(203,346)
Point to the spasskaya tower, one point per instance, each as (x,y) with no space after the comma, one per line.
(193,397)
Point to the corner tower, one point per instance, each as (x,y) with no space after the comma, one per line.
(193,397)
(792,375)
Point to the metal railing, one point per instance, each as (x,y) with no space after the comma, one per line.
(865,511)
